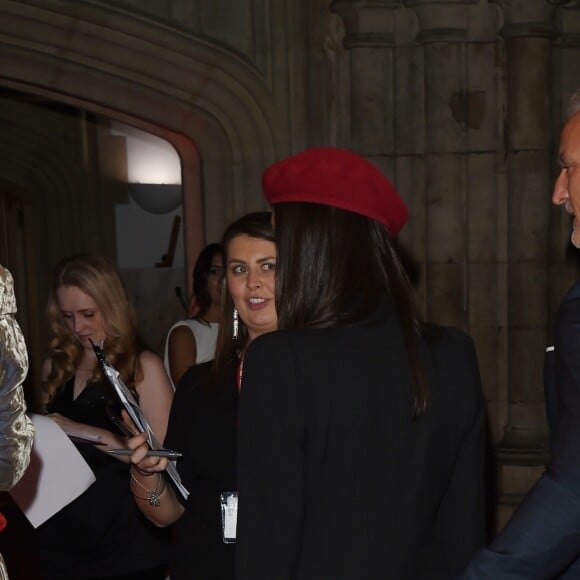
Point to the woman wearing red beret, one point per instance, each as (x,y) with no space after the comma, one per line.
(361,430)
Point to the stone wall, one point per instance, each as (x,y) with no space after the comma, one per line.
(460,102)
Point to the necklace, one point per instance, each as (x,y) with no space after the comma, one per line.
(240,373)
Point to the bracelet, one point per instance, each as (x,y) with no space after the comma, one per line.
(153,494)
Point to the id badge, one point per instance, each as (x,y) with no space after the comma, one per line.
(229,505)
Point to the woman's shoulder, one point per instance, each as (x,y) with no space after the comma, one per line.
(308,340)
(189,327)
(454,359)
(300,346)
(154,372)
(148,358)
(182,326)
(199,387)
(312,337)
(194,378)
(448,340)
(273,341)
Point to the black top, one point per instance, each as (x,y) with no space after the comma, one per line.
(101,533)
(203,426)
(335,477)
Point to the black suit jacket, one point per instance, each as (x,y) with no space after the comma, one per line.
(542,540)
(335,478)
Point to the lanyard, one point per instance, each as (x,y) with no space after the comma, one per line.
(240,372)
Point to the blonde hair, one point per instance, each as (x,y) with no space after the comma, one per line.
(99,278)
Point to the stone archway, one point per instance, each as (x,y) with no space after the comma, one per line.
(211,104)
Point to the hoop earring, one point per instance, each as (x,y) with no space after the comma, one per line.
(235,324)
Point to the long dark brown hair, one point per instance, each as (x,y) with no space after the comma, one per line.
(201,272)
(336,267)
(254,225)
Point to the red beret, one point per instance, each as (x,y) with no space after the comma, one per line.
(339,178)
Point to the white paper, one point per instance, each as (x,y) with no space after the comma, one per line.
(57,473)
(84,437)
(138,416)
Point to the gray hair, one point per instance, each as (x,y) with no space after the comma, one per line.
(573,104)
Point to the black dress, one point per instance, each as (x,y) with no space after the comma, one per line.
(203,426)
(101,534)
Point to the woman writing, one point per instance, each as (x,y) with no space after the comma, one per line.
(101,534)
(203,420)
(192,341)
(360,436)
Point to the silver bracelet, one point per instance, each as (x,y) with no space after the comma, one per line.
(153,494)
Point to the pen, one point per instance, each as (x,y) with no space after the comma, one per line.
(169,453)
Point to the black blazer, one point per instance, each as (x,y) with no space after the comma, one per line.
(335,478)
(542,539)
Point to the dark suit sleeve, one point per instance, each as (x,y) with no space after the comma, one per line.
(270,465)
(543,537)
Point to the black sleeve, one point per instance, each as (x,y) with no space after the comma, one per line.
(188,393)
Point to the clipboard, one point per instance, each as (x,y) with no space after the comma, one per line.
(136,414)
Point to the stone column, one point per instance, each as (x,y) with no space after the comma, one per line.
(370,40)
(528,32)
(442,36)
(464,240)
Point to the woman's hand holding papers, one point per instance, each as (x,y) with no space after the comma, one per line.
(154,497)
(107,440)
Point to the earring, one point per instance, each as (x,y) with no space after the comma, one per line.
(235,324)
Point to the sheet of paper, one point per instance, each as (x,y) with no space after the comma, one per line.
(83,437)
(137,416)
(57,473)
